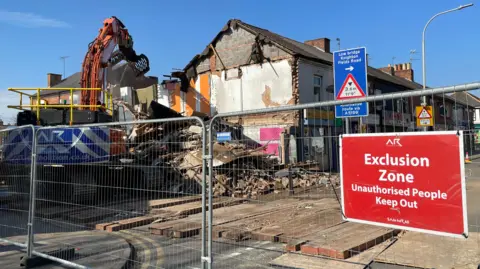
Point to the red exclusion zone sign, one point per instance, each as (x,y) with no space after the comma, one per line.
(412,181)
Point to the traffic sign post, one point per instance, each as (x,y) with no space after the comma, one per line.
(424,116)
(412,181)
(350,81)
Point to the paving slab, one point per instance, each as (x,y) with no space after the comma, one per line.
(344,240)
(432,251)
(359,261)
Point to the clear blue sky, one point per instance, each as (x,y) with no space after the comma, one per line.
(35,34)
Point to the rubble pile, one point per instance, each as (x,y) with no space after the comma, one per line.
(241,169)
(255,184)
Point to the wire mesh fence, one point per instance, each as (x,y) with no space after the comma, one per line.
(102,193)
(134,194)
(280,169)
(16,146)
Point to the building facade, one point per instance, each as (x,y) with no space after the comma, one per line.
(247,68)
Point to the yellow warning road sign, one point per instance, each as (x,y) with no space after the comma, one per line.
(424,116)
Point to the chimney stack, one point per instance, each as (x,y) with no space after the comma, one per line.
(389,69)
(321,43)
(400,70)
(53,79)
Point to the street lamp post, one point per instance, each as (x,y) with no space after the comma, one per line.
(424,98)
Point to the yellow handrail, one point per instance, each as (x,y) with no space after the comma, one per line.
(108,100)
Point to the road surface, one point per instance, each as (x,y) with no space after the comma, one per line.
(161,252)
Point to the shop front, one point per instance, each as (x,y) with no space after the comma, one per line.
(320,138)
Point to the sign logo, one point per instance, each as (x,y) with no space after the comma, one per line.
(52,137)
(407,184)
(394,142)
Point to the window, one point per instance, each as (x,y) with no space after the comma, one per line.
(317,87)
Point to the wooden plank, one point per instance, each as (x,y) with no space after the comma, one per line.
(345,240)
(290,221)
(196,207)
(304,224)
(224,214)
(297,260)
(126,223)
(176,228)
(432,251)
(162,203)
(134,222)
(172,212)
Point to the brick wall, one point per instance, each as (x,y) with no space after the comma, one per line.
(322,43)
(55,98)
(400,70)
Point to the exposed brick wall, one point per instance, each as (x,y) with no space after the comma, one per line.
(235,46)
(322,43)
(55,98)
(388,70)
(53,79)
(400,70)
(203,65)
(406,74)
(213,62)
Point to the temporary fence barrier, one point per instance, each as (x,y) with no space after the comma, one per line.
(16,145)
(96,190)
(275,198)
(280,169)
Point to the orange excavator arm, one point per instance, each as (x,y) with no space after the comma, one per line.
(101,54)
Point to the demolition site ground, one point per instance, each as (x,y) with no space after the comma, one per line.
(277,230)
(265,215)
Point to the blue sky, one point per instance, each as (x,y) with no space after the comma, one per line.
(35,34)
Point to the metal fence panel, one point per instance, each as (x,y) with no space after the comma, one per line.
(274,187)
(16,145)
(107,197)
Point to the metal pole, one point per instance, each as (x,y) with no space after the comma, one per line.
(32,196)
(424,75)
(372,98)
(63,58)
(209,157)
(204,196)
(347,125)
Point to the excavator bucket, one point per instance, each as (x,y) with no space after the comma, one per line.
(141,66)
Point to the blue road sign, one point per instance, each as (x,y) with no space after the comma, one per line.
(350,81)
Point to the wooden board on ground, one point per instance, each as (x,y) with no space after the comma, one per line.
(345,240)
(432,251)
(238,221)
(222,215)
(196,207)
(191,225)
(298,260)
(162,203)
(169,213)
(287,222)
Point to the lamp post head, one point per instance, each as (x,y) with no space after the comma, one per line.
(464,6)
